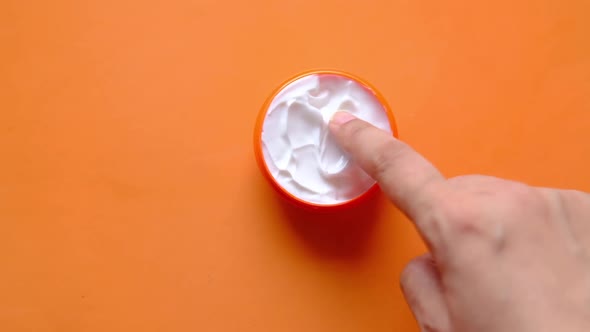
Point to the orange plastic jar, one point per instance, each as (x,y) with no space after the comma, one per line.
(258,149)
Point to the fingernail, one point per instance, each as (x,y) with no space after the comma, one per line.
(341,118)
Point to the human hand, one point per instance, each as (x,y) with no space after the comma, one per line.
(504,256)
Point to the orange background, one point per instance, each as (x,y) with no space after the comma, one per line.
(129,195)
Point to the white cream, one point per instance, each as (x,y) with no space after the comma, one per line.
(298,148)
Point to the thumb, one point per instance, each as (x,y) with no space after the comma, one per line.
(422,288)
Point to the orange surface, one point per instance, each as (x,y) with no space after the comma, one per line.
(129,195)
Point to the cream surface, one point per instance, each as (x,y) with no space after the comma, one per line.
(300,151)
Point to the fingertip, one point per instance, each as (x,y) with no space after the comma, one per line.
(341,117)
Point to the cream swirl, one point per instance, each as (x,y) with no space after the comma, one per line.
(298,148)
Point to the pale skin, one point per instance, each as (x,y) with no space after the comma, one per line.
(503,256)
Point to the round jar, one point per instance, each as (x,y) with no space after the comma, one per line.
(295,149)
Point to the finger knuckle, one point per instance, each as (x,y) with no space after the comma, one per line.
(459,219)
(467,222)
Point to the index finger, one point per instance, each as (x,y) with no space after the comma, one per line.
(408,179)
